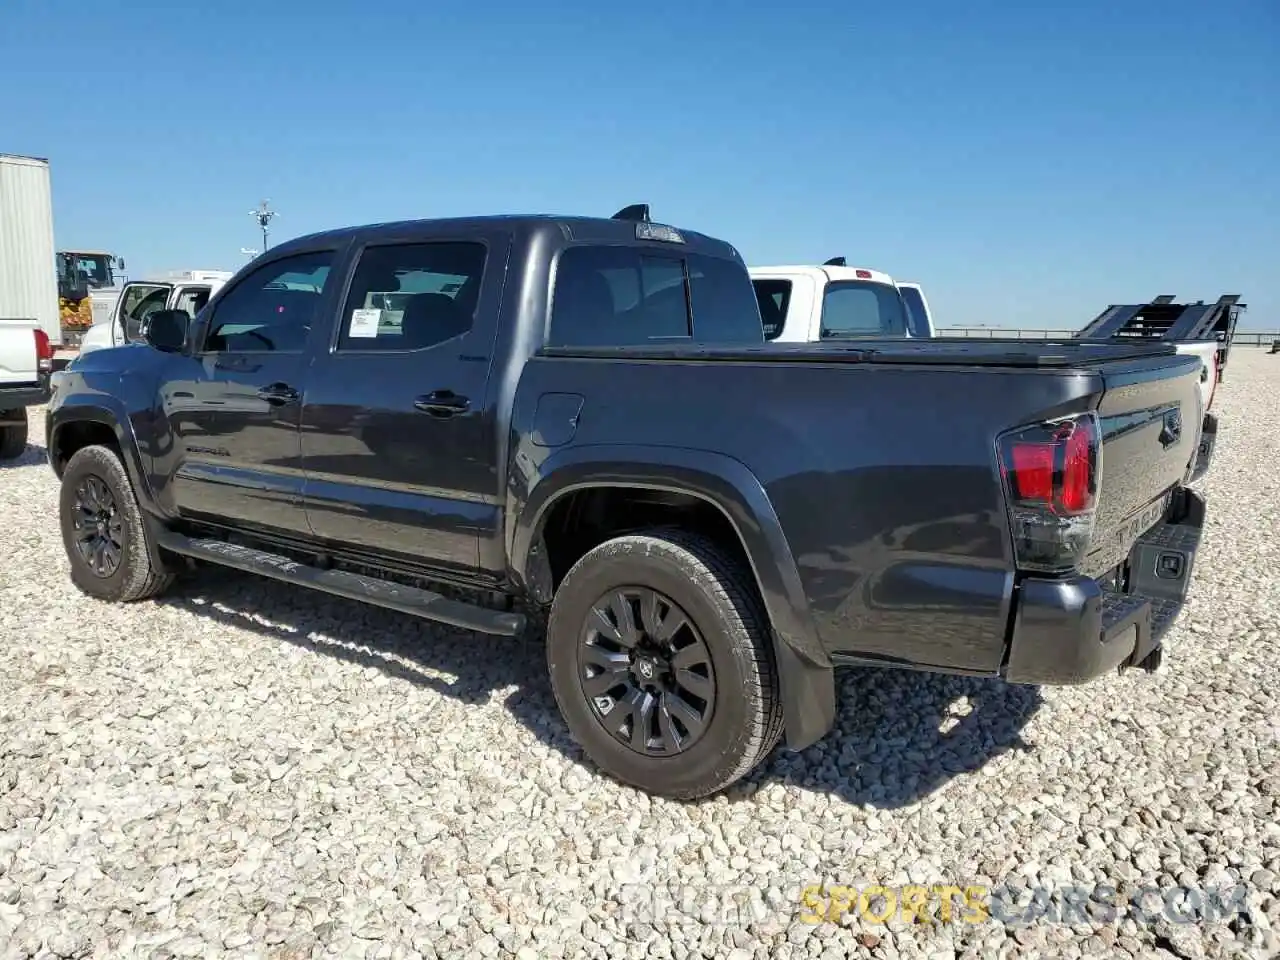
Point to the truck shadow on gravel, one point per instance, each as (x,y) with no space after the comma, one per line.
(899,735)
(31,456)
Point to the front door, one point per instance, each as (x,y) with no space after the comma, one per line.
(235,415)
(398,437)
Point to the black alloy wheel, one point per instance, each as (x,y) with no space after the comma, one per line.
(99,527)
(647,671)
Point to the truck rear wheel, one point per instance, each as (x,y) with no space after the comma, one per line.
(661,663)
(13,439)
(102,529)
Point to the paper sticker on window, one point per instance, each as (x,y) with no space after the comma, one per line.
(364,323)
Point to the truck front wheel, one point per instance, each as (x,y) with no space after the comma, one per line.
(661,663)
(13,438)
(102,529)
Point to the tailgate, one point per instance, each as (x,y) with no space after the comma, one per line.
(1150,420)
(19,365)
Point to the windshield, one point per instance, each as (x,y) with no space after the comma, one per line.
(917,314)
(858,309)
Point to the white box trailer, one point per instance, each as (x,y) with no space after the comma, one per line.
(28,272)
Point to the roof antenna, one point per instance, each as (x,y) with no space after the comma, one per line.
(637,211)
(835,262)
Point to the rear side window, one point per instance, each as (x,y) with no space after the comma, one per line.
(410,296)
(772,298)
(621,296)
(852,309)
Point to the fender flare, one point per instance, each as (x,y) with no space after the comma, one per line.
(805,670)
(70,412)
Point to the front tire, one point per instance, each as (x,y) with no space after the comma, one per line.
(103,532)
(662,665)
(13,439)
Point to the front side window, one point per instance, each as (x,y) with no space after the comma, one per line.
(410,296)
(273,308)
(851,309)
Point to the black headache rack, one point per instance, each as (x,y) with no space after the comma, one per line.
(1165,319)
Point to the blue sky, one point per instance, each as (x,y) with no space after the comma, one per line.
(1028,163)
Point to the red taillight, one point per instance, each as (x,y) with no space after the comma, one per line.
(1051,473)
(1031,475)
(1053,464)
(1077,471)
(44,350)
(862,274)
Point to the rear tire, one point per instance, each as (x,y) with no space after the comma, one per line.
(13,440)
(103,532)
(680,715)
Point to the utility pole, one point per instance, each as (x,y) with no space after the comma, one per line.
(264,216)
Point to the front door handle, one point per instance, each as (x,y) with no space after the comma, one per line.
(278,394)
(442,403)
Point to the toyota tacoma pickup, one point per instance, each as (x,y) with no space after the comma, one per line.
(26,361)
(487,422)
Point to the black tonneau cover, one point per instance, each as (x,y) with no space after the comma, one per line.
(1010,352)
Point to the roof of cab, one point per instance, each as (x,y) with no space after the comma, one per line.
(831,273)
(568,228)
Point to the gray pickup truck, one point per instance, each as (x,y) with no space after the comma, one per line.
(581,416)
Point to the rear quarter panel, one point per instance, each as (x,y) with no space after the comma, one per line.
(883,479)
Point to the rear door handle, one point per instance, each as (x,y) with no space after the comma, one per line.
(278,394)
(442,403)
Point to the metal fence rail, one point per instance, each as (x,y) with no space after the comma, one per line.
(1252,338)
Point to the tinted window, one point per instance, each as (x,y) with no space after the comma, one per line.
(724,305)
(618,296)
(411,296)
(863,309)
(773,297)
(271,309)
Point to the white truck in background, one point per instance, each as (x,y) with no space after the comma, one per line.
(804,304)
(26,361)
(187,290)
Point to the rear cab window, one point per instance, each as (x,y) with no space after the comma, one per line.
(852,308)
(610,296)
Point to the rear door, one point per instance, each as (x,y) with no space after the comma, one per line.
(399,436)
(235,413)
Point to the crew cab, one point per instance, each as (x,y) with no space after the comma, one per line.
(807,304)
(26,358)
(490,421)
(187,290)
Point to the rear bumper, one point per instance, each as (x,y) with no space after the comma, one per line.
(1072,631)
(19,398)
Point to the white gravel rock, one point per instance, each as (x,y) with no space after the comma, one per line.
(245,769)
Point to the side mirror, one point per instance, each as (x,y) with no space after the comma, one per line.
(120,264)
(166,330)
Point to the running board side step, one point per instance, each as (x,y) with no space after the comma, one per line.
(381,593)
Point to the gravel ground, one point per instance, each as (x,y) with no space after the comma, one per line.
(247,769)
